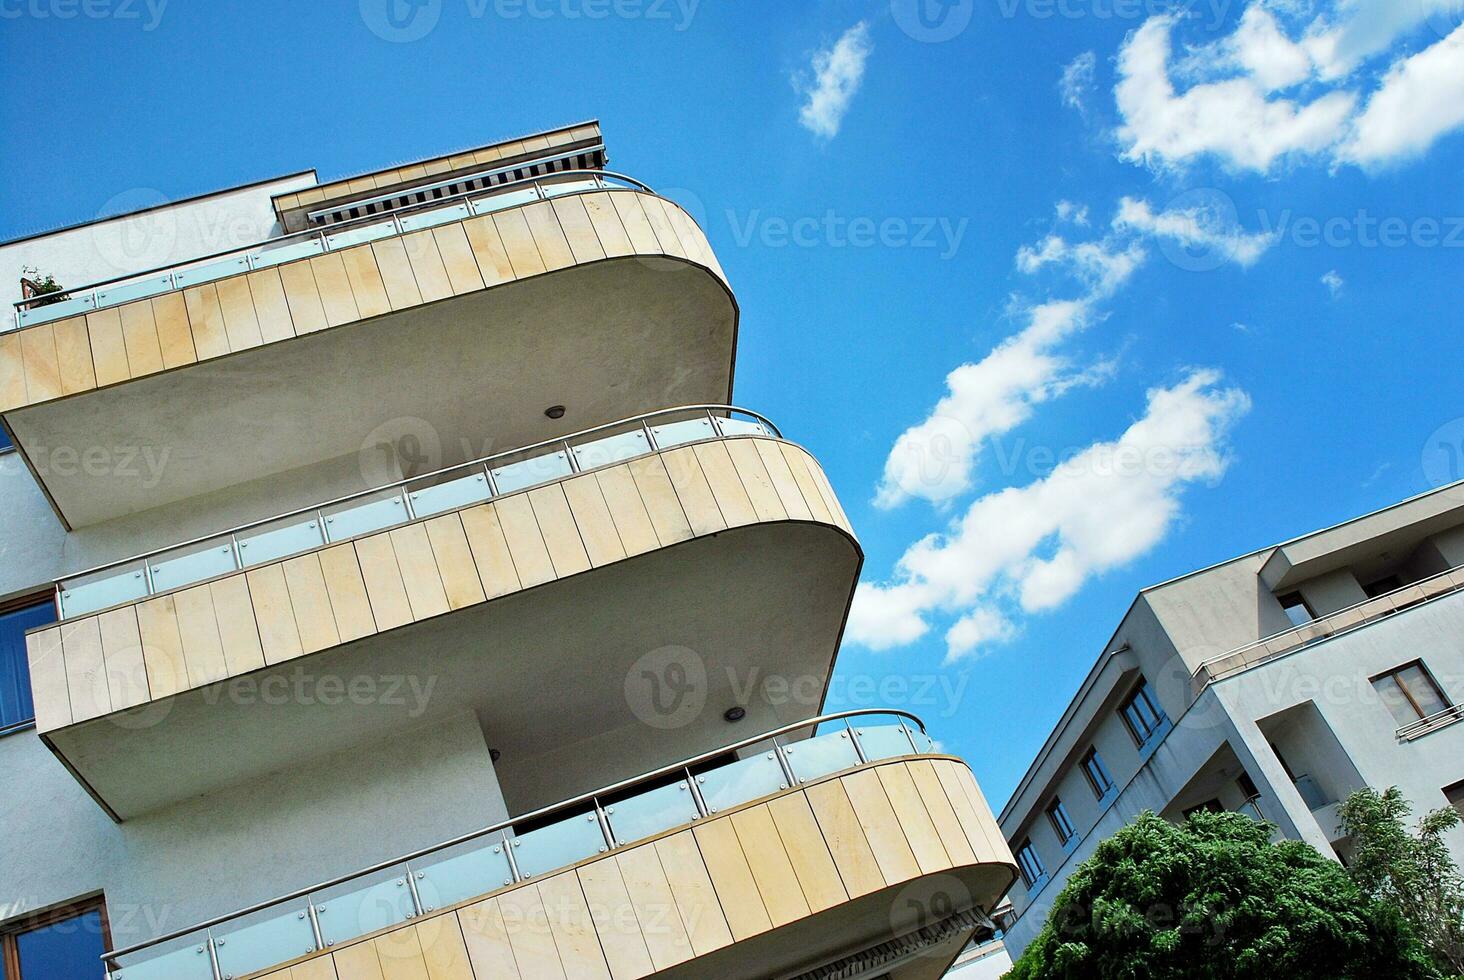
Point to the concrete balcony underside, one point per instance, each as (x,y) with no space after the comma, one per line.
(780,886)
(608,302)
(734,549)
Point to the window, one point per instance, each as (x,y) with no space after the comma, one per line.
(1410,693)
(1097,774)
(16,710)
(1455,796)
(1031,864)
(1209,806)
(64,944)
(1296,609)
(1057,814)
(5,444)
(1142,714)
(1382,586)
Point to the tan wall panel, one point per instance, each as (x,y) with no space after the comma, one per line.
(574,930)
(845,837)
(334,288)
(348,600)
(981,845)
(42,370)
(303,297)
(396,273)
(489,950)
(454,561)
(48,679)
(663,506)
(140,337)
(279,636)
(205,322)
(766,503)
(518,240)
(556,524)
(490,551)
(548,236)
(633,219)
(175,339)
(238,631)
(627,510)
(592,516)
(122,648)
(620,934)
(86,670)
(732,878)
(457,259)
(584,244)
(443,951)
(613,238)
(12,372)
(425,592)
(271,307)
(525,542)
(109,352)
(311,601)
(947,824)
(817,875)
(366,282)
(691,886)
(384,586)
(533,945)
(812,496)
(489,250)
(241,322)
(726,485)
(693,491)
(998,850)
(881,827)
(655,906)
(198,628)
(668,237)
(777,882)
(162,648)
(400,955)
(427,265)
(781,477)
(74,355)
(914,819)
(357,962)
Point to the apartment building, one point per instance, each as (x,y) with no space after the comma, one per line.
(385,569)
(1273,684)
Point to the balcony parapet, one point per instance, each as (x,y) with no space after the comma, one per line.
(662,871)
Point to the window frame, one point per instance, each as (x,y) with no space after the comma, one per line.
(1066,831)
(10,606)
(1454,793)
(1290,601)
(1393,675)
(1142,692)
(10,932)
(1092,756)
(1025,850)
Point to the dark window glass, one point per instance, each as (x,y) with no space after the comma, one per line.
(1061,822)
(1142,713)
(1455,796)
(5,444)
(1410,693)
(1097,774)
(15,690)
(1030,863)
(70,949)
(1382,586)
(1209,806)
(1296,609)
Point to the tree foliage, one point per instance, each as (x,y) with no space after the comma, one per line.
(1214,897)
(1412,872)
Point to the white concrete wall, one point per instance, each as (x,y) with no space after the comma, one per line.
(162,235)
(984,963)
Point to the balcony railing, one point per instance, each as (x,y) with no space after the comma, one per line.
(529,846)
(1432,723)
(287,248)
(368,511)
(1325,627)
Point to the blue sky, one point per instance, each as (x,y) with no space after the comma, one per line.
(1267,378)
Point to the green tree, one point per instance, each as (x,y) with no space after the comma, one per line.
(1412,872)
(1214,897)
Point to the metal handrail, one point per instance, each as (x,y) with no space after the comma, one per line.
(1321,623)
(573,803)
(323,233)
(483,462)
(1451,714)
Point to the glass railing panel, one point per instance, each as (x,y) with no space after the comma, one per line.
(194,564)
(271,936)
(364,905)
(651,812)
(280,539)
(458,873)
(210,271)
(301,249)
(611,449)
(437,216)
(737,782)
(58,309)
(821,755)
(534,470)
(364,516)
(571,186)
(450,495)
(182,959)
(923,742)
(127,291)
(884,741)
(742,427)
(508,199)
(363,233)
(558,845)
(675,433)
(107,588)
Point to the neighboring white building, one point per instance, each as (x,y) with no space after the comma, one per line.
(384,587)
(1273,684)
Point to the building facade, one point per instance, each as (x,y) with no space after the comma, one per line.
(386,571)
(1274,684)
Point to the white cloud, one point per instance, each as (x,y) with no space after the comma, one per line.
(1101,265)
(1358,30)
(1198,229)
(1075,213)
(1259,47)
(1334,283)
(1420,99)
(1077,80)
(837,74)
(1031,548)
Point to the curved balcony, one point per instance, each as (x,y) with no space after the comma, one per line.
(696,527)
(845,839)
(472,313)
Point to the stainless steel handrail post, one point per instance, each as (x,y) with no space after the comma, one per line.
(513,868)
(314,914)
(412,887)
(605,830)
(854,737)
(783,762)
(234,545)
(213,957)
(569,456)
(696,797)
